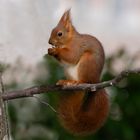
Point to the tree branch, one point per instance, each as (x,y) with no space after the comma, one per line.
(29,92)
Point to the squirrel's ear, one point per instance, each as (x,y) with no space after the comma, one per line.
(66,20)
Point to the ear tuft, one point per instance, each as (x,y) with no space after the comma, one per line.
(66,15)
(66,18)
(65,21)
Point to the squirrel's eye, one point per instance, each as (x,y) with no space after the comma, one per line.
(59,34)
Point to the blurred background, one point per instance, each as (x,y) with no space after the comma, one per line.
(25,29)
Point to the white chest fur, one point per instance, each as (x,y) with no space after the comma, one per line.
(71,71)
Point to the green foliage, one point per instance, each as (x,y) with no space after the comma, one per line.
(31,120)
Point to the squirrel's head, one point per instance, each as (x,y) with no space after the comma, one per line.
(63,32)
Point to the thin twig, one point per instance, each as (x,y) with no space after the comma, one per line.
(29,92)
(45,103)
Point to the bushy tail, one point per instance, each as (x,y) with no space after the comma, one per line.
(83,113)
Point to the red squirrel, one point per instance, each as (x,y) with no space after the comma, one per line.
(82,57)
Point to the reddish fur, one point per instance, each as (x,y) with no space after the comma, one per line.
(79,119)
(80,113)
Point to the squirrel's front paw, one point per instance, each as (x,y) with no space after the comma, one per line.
(52,51)
(67,82)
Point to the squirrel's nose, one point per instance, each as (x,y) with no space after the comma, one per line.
(50,42)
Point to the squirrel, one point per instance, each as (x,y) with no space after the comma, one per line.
(82,56)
